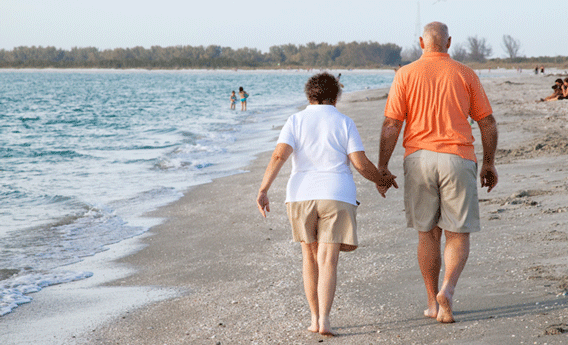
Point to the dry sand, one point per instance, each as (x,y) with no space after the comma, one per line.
(239,275)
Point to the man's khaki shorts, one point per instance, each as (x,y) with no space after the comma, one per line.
(440,190)
(324,221)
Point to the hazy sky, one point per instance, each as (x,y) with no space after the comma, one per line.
(262,24)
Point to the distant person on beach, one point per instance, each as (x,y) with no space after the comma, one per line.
(243,95)
(557,93)
(321,194)
(536,70)
(435,95)
(565,89)
(542,69)
(233,100)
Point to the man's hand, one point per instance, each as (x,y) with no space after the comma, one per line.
(386,181)
(489,137)
(488,176)
(263,203)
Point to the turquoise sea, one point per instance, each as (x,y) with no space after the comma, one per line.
(84,153)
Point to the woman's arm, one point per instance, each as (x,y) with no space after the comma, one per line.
(369,171)
(364,166)
(279,157)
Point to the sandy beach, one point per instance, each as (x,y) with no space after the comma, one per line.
(237,276)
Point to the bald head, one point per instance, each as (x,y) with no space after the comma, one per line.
(435,38)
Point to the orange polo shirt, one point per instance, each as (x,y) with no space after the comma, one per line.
(436,95)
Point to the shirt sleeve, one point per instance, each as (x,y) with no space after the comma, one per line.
(479,103)
(287,135)
(396,102)
(354,143)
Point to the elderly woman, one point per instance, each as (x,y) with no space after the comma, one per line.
(320,196)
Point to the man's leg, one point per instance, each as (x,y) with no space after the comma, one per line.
(456,253)
(310,275)
(430,261)
(328,255)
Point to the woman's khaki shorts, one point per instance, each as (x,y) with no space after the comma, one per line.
(440,190)
(324,221)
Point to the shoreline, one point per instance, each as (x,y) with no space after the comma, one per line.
(238,276)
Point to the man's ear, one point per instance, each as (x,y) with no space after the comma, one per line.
(449,42)
(421,42)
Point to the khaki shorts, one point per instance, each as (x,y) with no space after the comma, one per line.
(440,190)
(324,221)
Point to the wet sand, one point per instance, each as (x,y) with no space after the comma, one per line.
(238,276)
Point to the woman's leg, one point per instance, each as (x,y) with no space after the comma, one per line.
(310,275)
(327,257)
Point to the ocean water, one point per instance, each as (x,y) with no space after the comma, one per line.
(84,153)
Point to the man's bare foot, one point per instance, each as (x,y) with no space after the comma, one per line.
(445,314)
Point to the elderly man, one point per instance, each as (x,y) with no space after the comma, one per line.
(435,95)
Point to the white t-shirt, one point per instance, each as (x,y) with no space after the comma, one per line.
(321,138)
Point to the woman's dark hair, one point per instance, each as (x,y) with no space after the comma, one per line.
(322,88)
(566,80)
(241,89)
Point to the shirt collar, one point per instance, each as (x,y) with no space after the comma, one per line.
(320,105)
(435,55)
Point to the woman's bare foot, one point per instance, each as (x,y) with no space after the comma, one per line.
(432,311)
(325,329)
(314,326)
(328,334)
(445,314)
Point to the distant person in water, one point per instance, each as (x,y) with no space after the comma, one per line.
(339,77)
(243,95)
(233,100)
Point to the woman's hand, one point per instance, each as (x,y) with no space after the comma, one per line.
(263,203)
(279,157)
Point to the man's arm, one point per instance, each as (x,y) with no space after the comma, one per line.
(489,138)
(389,136)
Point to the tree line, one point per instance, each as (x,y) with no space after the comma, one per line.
(478,50)
(312,55)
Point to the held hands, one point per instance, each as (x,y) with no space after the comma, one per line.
(263,203)
(488,176)
(386,180)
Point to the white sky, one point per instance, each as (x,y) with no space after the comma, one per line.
(264,23)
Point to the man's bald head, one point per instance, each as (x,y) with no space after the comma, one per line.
(436,37)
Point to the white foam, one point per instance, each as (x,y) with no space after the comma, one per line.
(14,290)
(60,314)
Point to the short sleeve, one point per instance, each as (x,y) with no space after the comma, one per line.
(396,102)
(287,135)
(354,143)
(479,103)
